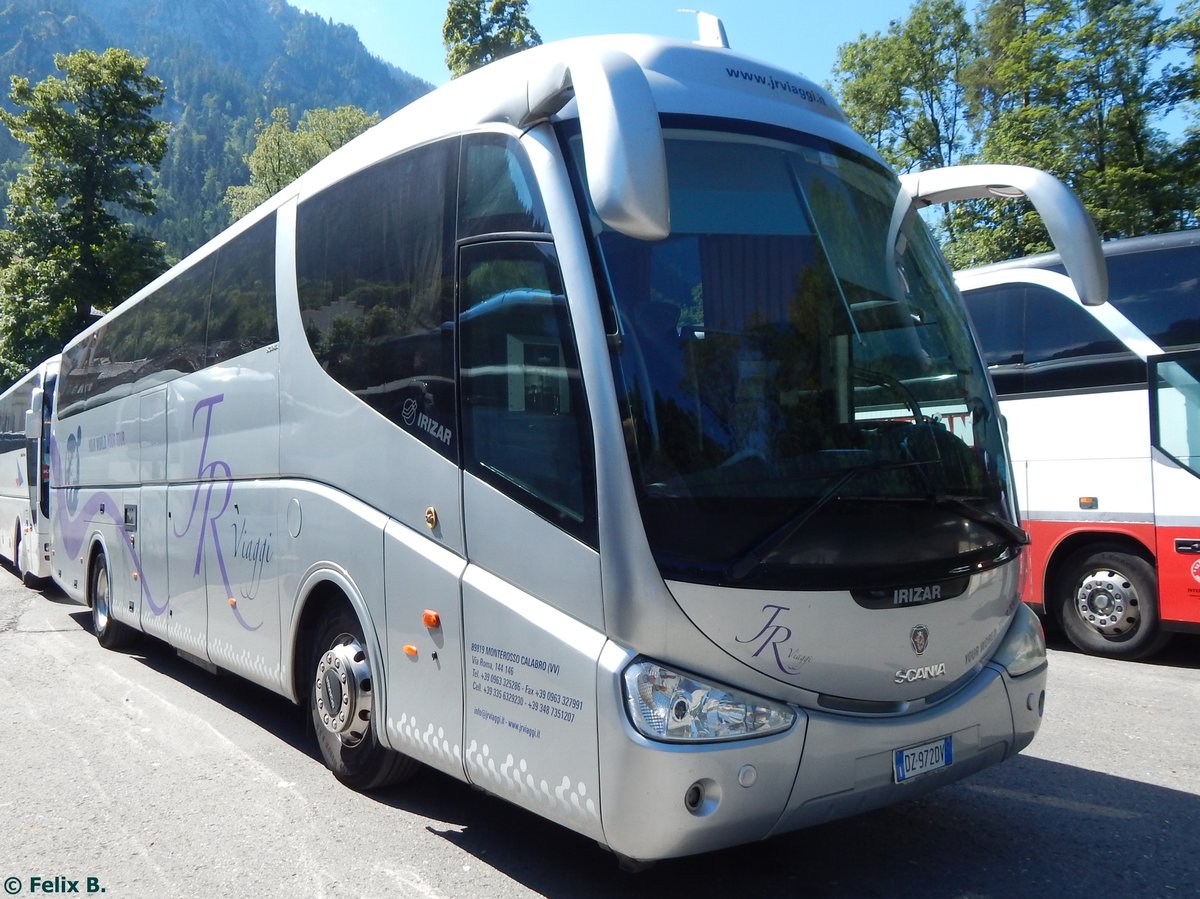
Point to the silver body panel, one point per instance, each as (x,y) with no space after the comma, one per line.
(261,482)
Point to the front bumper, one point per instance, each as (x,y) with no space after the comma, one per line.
(663,800)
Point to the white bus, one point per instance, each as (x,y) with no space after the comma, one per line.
(24,472)
(564,433)
(1102,411)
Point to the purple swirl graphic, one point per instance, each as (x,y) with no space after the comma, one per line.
(214,480)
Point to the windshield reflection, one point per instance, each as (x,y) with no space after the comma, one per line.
(800,386)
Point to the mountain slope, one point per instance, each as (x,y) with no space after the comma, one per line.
(225,63)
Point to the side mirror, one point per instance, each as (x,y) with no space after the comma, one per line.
(622,137)
(623,146)
(1071,229)
(33,416)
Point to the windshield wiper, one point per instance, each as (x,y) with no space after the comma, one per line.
(1001,526)
(752,559)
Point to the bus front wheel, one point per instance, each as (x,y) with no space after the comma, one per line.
(1108,604)
(342,704)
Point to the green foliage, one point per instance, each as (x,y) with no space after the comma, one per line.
(282,154)
(477,32)
(1070,86)
(91,140)
(224,64)
(904,90)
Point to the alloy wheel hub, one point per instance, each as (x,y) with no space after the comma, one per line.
(343,690)
(1107,601)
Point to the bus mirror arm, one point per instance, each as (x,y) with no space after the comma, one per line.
(1071,229)
(622,137)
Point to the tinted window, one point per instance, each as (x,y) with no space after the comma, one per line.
(220,307)
(241,312)
(998,313)
(1157,291)
(104,367)
(1036,340)
(525,420)
(12,418)
(174,317)
(498,190)
(1067,349)
(374,256)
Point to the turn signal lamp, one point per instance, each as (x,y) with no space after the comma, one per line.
(678,708)
(410,650)
(431,619)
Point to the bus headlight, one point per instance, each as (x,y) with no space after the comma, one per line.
(1024,647)
(666,705)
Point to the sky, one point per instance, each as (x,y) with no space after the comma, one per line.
(798,35)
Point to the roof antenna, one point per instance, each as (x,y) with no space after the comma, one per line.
(712,32)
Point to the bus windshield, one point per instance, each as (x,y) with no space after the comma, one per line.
(804,405)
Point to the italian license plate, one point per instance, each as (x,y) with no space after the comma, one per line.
(917,760)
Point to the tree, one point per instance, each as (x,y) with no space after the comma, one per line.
(904,90)
(1182,88)
(92,142)
(473,37)
(1072,87)
(1018,88)
(1069,86)
(282,154)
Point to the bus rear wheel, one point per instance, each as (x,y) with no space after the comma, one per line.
(110,633)
(16,556)
(342,705)
(1108,604)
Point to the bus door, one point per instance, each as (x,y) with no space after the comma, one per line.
(37,460)
(33,454)
(1175,459)
(146,522)
(529,509)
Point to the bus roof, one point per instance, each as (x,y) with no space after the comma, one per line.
(682,77)
(1119,247)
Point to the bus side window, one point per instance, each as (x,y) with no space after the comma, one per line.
(374,259)
(998,313)
(1067,349)
(1159,291)
(241,314)
(497,191)
(524,417)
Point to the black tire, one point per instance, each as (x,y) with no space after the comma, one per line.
(16,559)
(1107,603)
(341,705)
(27,577)
(110,633)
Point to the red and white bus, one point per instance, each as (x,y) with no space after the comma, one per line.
(1103,412)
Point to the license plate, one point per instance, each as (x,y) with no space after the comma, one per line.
(917,760)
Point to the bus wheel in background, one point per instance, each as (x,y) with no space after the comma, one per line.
(16,559)
(24,566)
(342,702)
(1108,604)
(110,633)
